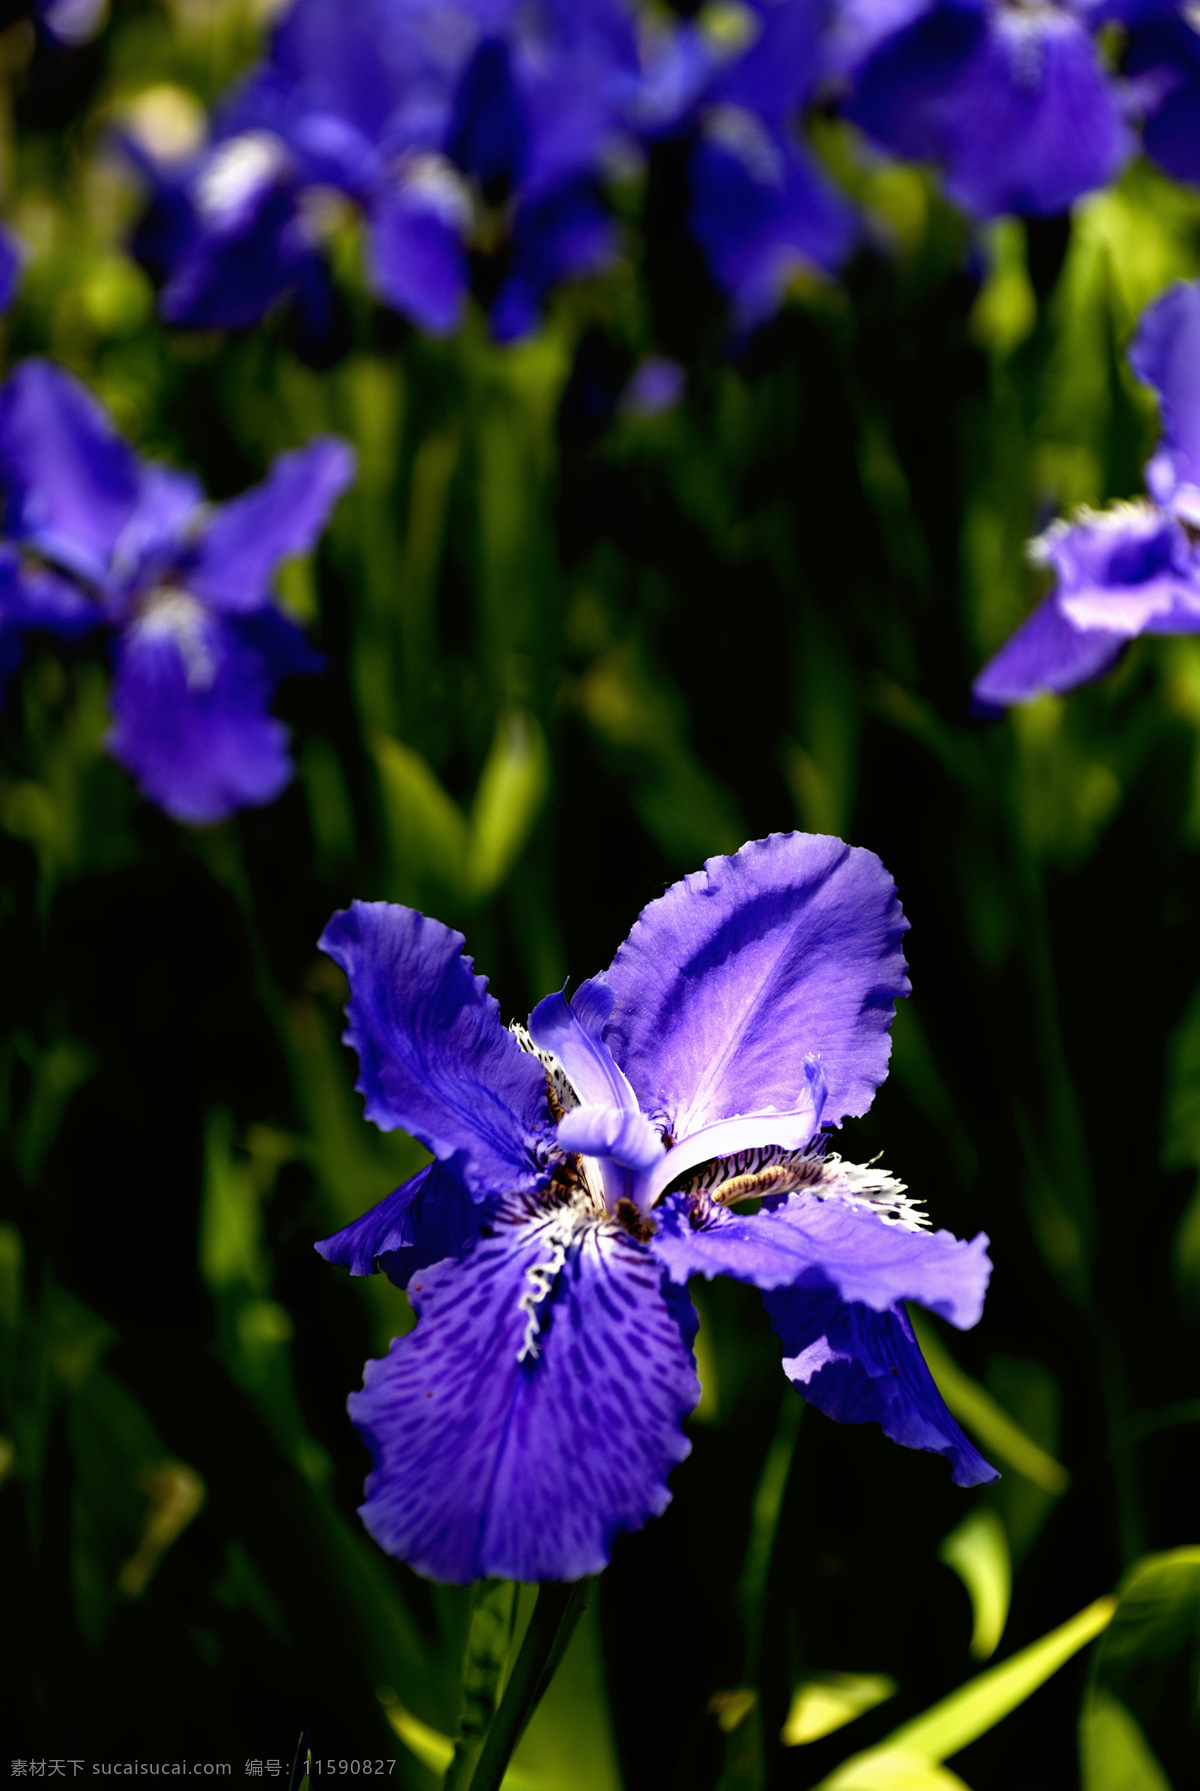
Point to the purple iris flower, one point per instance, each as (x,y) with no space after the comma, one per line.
(95,539)
(1134,568)
(669,1119)
(1162,62)
(759,205)
(1012,101)
(474,130)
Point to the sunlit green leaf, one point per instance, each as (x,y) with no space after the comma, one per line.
(512,788)
(956,1721)
(1114,1754)
(978,1552)
(829,1701)
(991,1426)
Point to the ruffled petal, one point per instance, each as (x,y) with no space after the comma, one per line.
(1166,354)
(1046,653)
(743,971)
(434,1058)
(428,1217)
(535,1411)
(190,702)
(248,538)
(860,1366)
(863,1256)
(70,483)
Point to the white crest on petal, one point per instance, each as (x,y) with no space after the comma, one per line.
(169,613)
(236,172)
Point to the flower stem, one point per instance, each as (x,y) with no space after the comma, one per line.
(558,1609)
(489,1639)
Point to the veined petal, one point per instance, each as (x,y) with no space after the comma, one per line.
(247,538)
(70,483)
(535,1411)
(1166,354)
(861,1366)
(616,1132)
(865,1257)
(426,1218)
(743,971)
(434,1057)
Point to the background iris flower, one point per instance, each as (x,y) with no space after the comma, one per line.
(468,133)
(95,539)
(585,1169)
(1133,568)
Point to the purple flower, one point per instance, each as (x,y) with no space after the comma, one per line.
(1134,568)
(759,206)
(1163,64)
(473,130)
(1012,102)
(96,539)
(670,1119)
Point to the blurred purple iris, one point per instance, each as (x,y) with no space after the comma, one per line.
(758,204)
(471,130)
(1162,63)
(1012,101)
(96,539)
(670,1119)
(1134,568)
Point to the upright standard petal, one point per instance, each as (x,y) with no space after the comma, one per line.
(1047,653)
(867,1258)
(1166,354)
(190,700)
(861,1366)
(70,483)
(535,1411)
(248,537)
(738,975)
(428,1217)
(434,1057)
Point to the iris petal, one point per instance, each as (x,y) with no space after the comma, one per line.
(738,975)
(516,1436)
(434,1057)
(861,1366)
(866,1258)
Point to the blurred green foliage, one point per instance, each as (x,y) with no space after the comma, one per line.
(572,651)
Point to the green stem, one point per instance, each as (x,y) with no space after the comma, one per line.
(489,1639)
(558,1609)
(764,1527)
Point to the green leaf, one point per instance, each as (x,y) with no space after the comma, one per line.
(1114,1754)
(988,1422)
(427,831)
(512,789)
(978,1553)
(971,1711)
(829,1701)
(1147,1671)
